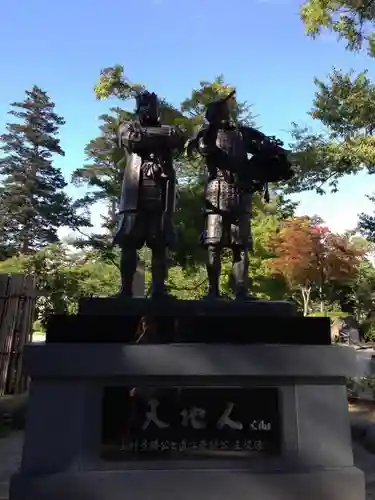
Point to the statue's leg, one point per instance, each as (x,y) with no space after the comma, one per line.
(213,267)
(242,244)
(159,270)
(212,239)
(240,271)
(128,267)
(157,242)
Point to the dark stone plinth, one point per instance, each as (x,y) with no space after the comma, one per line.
(184,308)
(170,321)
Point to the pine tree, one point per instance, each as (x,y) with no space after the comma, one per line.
(33,204)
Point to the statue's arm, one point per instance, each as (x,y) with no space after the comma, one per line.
(270,162)
(178,139)
(254,139)
(125,135)
(154,137)
(257,142)
(198,143)
(173,135)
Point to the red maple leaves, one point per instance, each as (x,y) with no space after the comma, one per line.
(308,255)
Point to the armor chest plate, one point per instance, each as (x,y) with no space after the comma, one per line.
(231,143)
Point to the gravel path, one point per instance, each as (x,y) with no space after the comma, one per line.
(11,449)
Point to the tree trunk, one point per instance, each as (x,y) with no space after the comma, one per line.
(321,299)
(306,291)
(32,171)
(25,246)
(113,211)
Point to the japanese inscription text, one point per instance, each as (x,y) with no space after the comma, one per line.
(176,422)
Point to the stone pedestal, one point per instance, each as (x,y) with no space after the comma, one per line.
(310,455)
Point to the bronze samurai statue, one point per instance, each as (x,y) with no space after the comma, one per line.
(239,160)
(148,192)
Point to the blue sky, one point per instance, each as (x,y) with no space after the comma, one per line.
(259,46)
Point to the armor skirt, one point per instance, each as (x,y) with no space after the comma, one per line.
(150,224)
(227,215)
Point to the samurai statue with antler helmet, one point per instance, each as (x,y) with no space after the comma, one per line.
(240,160)
(148,192)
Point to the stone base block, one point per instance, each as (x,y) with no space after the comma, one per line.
(118,319)
(336,484)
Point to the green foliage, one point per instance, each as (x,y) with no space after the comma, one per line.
(33,204)
(64,276)
(318,162)
(345,105)
(189,225)
(193,110)
(356,296)
(195,105)
(352,22)
(113,83)
(189,116)
(356,386)
(187,284)
(188,217)
(364,288)
(332,315)
(367,222)
(266,221)
(367,329)
(324,163)
(92,268)
(104,170)
(106,164)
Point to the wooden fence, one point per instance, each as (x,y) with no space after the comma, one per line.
(17,306)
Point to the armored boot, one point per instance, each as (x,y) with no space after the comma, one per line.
(240,271)
(128,267)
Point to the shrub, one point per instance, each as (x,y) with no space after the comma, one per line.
(332,315)
(12,413)
(367,330)
(356,386)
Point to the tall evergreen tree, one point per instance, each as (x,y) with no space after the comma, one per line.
(33,204)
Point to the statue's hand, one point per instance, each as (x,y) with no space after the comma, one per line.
(190,147)
(136,132)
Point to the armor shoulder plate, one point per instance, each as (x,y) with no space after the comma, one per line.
(252,136)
